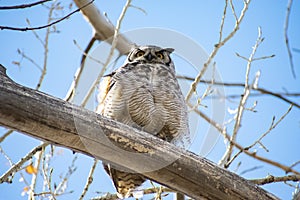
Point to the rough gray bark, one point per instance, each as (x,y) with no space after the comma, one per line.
(51,119)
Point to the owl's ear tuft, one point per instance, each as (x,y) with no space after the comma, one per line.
(170,50)
(132,47)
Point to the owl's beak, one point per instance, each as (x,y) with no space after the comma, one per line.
(149,57)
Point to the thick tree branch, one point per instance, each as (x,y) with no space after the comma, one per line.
(62,123)
(103,28)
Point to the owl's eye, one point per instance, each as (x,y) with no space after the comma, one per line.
(140,53)
(160,55)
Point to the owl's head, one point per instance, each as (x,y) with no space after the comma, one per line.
(150,54)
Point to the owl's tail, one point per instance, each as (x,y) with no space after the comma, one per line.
(124,182)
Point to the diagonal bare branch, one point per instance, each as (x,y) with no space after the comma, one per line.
(47,25)
(6,176)
(273,179)
(89,179)
(259,89)
(217,48)
(22,6)
(226,136)
(243,100)
(287,43)
(5,135)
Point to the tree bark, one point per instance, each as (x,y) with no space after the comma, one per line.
(51,119)
(103,28)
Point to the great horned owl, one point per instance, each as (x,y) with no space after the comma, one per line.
(144,93)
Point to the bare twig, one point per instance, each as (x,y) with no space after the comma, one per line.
(294,164)
(17,166)
(216,49)
(46,43)
(281,94)
(86,51)
(226,136)
(61,187)
(146,191)
(233,11)
(6,156)
(51,195)
(292,185)
(49,189)
(255,59)
(29,59)
(47,25)
(158,195)
(35,175)
(71,92)
(226,159)
(35,33)
(259,89)
(296,193)
(251,169)
(226,165)
(264,57)
(23,5)
(208,89)
(273,125)
(258,141)
(223,21)
(264,91)
(47,174)
(89,180)
(273,179)
(139,8)
(5,135)
(286,26)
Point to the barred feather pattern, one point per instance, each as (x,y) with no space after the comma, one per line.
(144,93)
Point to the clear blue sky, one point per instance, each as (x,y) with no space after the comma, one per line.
(198,20)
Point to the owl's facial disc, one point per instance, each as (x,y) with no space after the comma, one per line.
(151,54)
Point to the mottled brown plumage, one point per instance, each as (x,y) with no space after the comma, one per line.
(144,93)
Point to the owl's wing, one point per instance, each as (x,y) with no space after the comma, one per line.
(183,139)
(105,86)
